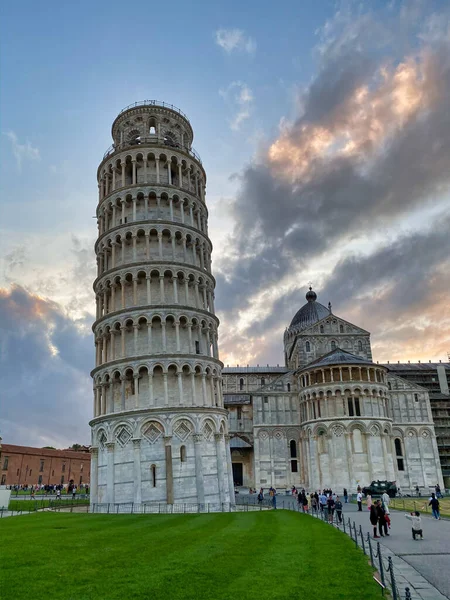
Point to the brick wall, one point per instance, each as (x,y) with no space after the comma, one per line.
(24,465)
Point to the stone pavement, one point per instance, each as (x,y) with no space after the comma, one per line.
(424,564)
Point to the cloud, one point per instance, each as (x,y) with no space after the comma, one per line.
(240,97)
(22,151)
(368,152)
(45,360)
(234,39)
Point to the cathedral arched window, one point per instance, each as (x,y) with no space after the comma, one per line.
(153,470)
(321,329)
(183,453)
(399,454)
(360,346)
(263,381)
(288,387)
(293,448)
(333,345)
(308,347)
(341,329)
(241,384)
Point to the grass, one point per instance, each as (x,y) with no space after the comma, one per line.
(420,504)
(32,505)
(263,555)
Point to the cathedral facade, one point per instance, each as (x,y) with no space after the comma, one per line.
(330,417)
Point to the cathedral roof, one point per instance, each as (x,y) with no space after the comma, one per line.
(338,357)
(312,312)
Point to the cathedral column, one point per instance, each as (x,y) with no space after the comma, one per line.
(169,468)
(109,473)
(137,470)
(198,438)
(220,464)
(229,468)
(349,457)
(93,488)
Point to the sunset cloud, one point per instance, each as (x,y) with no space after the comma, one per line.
(330,198)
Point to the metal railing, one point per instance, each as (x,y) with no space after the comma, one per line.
(152,140)
(154,103)
(144,508)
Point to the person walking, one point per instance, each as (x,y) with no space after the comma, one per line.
(416,523)
(434,503)
(374,520)
(330,507)
(273,495)
(382,523)
(345,496)
(359,501)
(338,508)
(438,491)
(260,496)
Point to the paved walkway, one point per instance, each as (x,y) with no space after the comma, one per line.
(424,566)
(430,558)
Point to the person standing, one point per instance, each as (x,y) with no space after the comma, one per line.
(369,501)
(374,520)
(382,523)
(385,499)
(434,503)
(260,496)
(438,491)
(338,508)
(304,502)
(345,496)
(323,501)
(359,501)
(314,503)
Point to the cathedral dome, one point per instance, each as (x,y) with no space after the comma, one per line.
(310,313)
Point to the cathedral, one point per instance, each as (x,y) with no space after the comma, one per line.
(331,417)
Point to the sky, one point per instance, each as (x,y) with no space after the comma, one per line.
(324,129)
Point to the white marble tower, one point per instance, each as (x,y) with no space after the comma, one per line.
(160,431)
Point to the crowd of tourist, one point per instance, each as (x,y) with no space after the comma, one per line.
(331,506)
(52,489)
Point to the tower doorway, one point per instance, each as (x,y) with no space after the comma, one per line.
(238,474)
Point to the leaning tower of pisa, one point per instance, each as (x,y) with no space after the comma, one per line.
(159,432)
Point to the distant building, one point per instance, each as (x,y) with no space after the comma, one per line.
(23,465)
(331,417)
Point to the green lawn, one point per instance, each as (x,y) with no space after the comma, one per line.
(240,556)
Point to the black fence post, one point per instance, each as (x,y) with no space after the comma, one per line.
(344,525)
(380,562)
(356,534)
(362,539)
(393,584)
(369,541)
